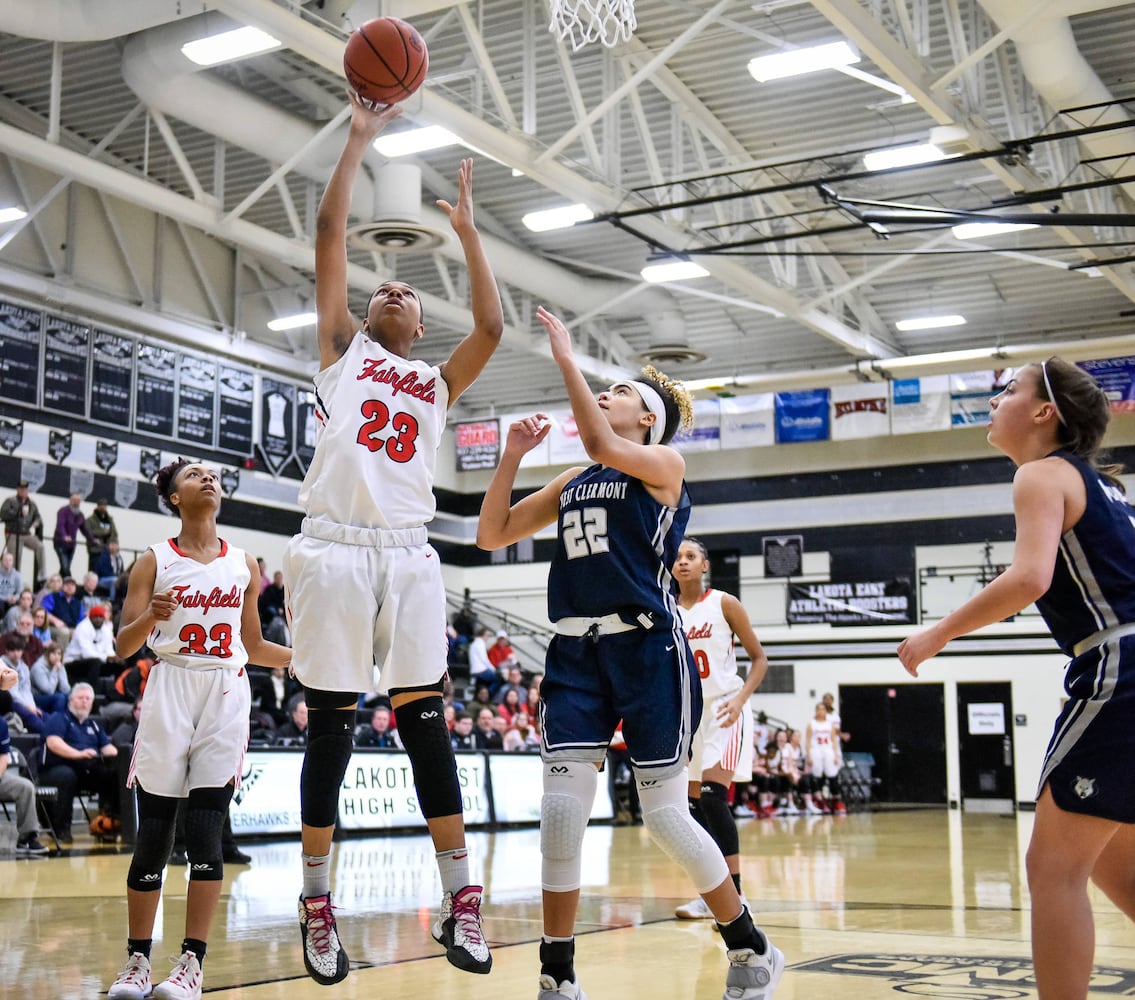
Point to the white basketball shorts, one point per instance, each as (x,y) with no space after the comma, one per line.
(730,748)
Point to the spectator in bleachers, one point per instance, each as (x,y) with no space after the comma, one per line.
(33,648)
(265,579)
(13,658)
(17,789)
(90,653)
(272,605)
(50,686)
(23,528)
(378,733)
(108,568)
(11,582)
(782,768)
(462,735)
(40,628)
(481,669)
(294,731)
(90,593)
(274,688)
(511,705)
(52,585)
(23,606)
(449,713)
(465,623)
(100,530)
(521,734)
(76,754)
(515,683)
(70,523)
(502,655)
(485,735)
(64,609)
(124,733)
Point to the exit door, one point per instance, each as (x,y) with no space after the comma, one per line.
(986,754)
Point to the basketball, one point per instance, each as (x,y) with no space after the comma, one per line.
(385,61)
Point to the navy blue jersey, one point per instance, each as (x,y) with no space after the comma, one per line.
(1093,584)
(615,547)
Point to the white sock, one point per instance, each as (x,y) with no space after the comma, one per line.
(453,866)
(316,875)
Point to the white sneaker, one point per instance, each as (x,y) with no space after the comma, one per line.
(752,976)
(565,991)
(813,810)
(133,982)
(458,928)
(184,982)
(695,909)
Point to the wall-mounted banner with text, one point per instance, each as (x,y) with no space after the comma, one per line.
(1117,377)
(863,602)
(803,416)
(477,443)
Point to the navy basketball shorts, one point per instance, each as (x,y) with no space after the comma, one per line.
(645,678)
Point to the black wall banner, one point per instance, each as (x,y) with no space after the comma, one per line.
(157,388)
(306,428)
(234,428)
(65,376)
(11,434)
(59,444)
(783,556)
(478,444)
(21,338)
(196,400)
(277,423)
(148,464)
(863,602)
(112,379)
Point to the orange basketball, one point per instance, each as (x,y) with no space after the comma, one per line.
(385,61)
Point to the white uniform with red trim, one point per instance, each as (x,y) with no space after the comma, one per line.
(711,641)
(822,748)
(364,585)
(194,725)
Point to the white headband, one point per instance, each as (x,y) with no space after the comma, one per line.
(1051,394)
(653,400)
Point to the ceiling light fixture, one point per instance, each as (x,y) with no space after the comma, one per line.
(677,270)
(796,62)
(293,322)
(228,46)
(417,140)
(929,323)
(979,230)
(902,156)
(563,217)
(11,214)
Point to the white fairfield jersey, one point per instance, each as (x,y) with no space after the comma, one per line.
(204,630)
(711,640)
(823,733)
(381,419)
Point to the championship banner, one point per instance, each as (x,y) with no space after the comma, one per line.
(803,416)
(478,445)
(859,411)
(1117,377)
(865,602)
(920,404)
(705,435)
(748,421)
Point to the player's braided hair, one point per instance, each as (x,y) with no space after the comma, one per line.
(676,400)
(164,480)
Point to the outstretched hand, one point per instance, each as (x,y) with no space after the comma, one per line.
(461,214)
(558,337)
(526,433)
(371,119)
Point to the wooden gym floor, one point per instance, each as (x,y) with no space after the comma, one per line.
(866,906)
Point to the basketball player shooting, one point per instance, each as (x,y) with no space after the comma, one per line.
(364,585)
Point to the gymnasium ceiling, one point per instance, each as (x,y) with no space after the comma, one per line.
(180,200)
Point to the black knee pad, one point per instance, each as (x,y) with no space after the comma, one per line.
(718,818)
(699,817)
(157,815)
(204,819)
(315,698)
(425,736)
(330,740)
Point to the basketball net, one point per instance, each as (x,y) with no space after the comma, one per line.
(583,21)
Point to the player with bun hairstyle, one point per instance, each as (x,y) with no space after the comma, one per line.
(619,651)
(193,600)
(1075,557)
(364,585)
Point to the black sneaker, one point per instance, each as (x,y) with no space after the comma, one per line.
(458,928)
(235,856)
(30,846)
(178,858)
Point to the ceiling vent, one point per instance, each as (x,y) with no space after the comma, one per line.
(669,341)
(397,226)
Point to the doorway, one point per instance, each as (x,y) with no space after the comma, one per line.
(985,747)
(903,726)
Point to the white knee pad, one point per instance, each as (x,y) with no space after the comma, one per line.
(666,816)
(569,793)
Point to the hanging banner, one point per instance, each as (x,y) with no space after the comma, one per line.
(234,428)
(307,428)
(970,393)
(65,376)
(705,435)
(478,444)
(21,337)
(157,388)
(802,416)
(112,379)
(920,404)
(197,400)
(865,602)
(1117,377)
(277,427)
(859,411)
(748,421)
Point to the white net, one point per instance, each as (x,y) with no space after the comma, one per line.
(583,21)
